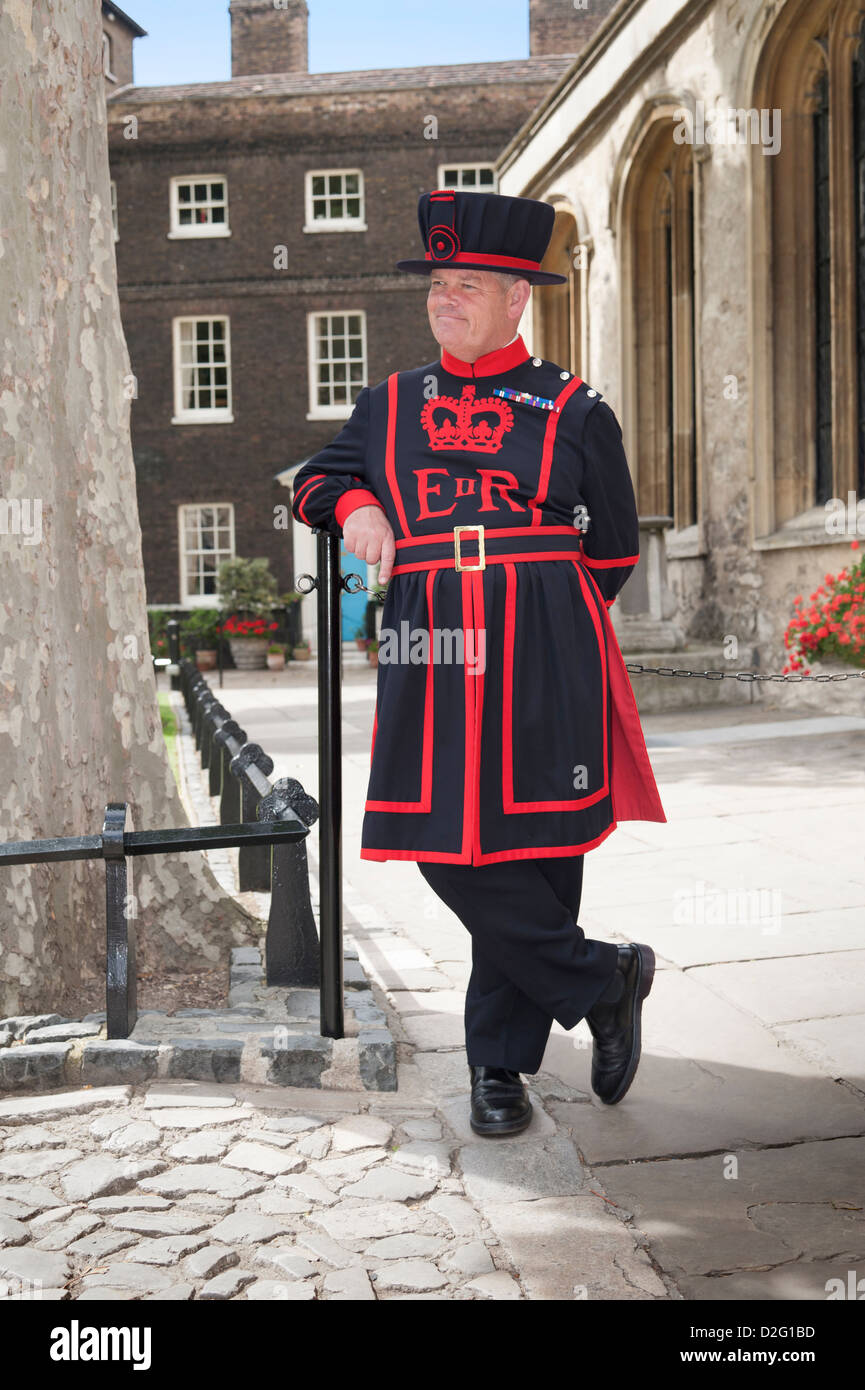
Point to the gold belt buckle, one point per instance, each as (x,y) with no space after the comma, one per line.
(458,530)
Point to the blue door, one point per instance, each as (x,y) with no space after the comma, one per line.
(353,605)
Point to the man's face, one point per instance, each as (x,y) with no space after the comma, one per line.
(472,312)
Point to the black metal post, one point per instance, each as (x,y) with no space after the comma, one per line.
(253,862)
(121,1003)
(291,947)
(332,1015)
(228,740)
(172,628)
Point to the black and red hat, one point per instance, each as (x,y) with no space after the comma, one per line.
(484,231)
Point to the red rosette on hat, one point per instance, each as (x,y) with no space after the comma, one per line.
(443,242)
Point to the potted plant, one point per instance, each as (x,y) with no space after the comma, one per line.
(247,590)
(361,639)
(276,656)
(200,633)
(372,651)
(301,651)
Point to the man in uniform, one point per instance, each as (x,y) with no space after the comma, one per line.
(494,489)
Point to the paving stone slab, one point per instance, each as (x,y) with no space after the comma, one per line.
(117,1059)
(280,1291)
(195,1119)
(424,1156)
(136,1278)
(469,1260)
(167,1250)
(63,1032)
(780,991)
(287,1261)
(161,1095)
(203,1058)
(45,1267)
(573,1247)
(500,1172)
(421,1129)
(684,1100)
(460,1215)
(314,1145)
(202,1148)
(498,1286)
(177,1293)
(203,1177)
(309,1186)
(349,1222)
(130,1201)
(336,1171)
(344,1284)
(834,1045)
(390,1184)
(211,1260)
(37,1067)
(99,1246)
(297,1061)
(21,1024)
(409,1276)
(13,1232)
(247,1228)
(259,1158)
(36,1165)
(360,1131)
(61,1237)
(409,1246)
(226,1285)
(34,1137)
(799,1281)
(700,1222)
(160,1223)
(97,1176)
(28,1108)
(28,1198)
(138,1137)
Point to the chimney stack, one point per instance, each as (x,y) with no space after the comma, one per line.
(557,26)
(268,36)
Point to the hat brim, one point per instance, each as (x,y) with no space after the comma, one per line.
(534,277)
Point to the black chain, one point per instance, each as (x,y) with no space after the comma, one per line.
(638,669)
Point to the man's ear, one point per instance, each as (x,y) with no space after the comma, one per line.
(518,297)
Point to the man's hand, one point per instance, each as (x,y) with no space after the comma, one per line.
(368,535)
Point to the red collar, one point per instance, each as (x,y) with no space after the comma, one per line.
(502,360)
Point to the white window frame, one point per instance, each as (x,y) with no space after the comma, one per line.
(114,221)
(195,229)
(190,600)
(460,170)
(334,224)
(208,415)
(331,412)
(107,50)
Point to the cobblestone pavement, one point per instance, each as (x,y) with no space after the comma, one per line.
(733,1168)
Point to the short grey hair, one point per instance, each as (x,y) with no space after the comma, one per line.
(507,278)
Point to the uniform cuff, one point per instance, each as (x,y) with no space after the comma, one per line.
(351,500)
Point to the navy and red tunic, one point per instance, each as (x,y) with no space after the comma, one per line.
(505,724)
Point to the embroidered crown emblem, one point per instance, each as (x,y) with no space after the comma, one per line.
(476,425)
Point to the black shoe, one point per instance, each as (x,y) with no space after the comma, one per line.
(616,1027)
(500,1101)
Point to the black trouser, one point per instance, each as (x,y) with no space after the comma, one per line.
(531,962)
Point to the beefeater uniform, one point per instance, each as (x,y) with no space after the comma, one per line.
(506,741)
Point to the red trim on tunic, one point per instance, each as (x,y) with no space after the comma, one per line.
(310,484)
(509,805)
(501,360)
(354,498)
(535,852)
(608,564)
(425,802)
(390,450)
(547,455)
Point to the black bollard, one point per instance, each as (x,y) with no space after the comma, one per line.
(291,948)
(121,982)
(332,1023)
(253,861)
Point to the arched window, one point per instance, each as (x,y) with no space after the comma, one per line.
(558,309)
(808,239)
(659,296)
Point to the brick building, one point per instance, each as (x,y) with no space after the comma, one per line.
(257,225)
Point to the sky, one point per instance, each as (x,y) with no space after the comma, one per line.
(189,40)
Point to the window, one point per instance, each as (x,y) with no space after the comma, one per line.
(337,360)
(206,539)
(335,201)
(199,206)
(114,209)
(480,177)
(808,286)
(106,57)
(659,268)
(202,371)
